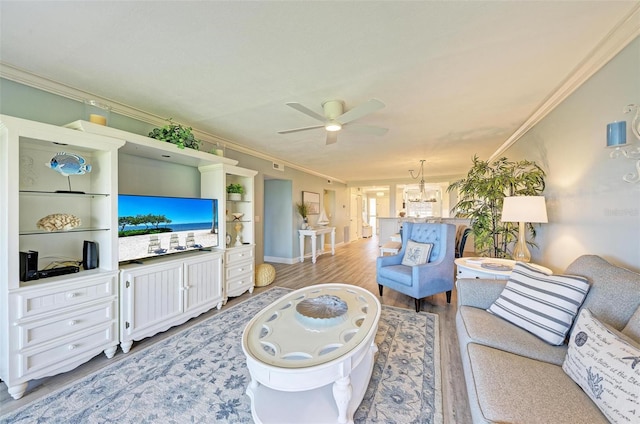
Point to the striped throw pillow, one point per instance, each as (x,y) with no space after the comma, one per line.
(545,305)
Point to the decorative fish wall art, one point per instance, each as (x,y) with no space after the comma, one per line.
(69,164)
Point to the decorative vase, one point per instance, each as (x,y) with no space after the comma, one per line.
(238,228)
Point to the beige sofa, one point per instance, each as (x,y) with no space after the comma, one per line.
(513,376)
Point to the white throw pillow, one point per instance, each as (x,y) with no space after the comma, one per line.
(606,364)
(416,253)
(545,305)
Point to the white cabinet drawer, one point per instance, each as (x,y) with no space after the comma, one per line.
(239,254)
(56,355)
(237,270)
(59,326)
(240,283)
(36,300)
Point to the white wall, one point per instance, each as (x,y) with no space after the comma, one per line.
(591,209)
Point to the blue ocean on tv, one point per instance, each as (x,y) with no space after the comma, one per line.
(175,227)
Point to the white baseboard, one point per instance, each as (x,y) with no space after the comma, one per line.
(291,261)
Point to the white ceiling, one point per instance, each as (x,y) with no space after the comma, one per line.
(457,78)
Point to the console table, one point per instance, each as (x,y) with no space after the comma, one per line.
(314,233)
(473,268)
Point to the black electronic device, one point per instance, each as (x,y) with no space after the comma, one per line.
(46,273)
(29,265)
(90,255)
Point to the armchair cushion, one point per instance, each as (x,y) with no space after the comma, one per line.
(416,253)
(542,304)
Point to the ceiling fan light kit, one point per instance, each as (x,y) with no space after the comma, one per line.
(333,126)
(335,118)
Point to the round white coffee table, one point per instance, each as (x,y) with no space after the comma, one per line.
(306,366)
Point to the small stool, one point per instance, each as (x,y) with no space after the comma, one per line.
(392,247)
(265,274)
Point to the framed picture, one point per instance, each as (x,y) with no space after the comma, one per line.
(313,199)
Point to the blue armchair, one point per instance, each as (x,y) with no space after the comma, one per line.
(435,276)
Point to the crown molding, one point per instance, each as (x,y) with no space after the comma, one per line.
(30,79)
(615,41)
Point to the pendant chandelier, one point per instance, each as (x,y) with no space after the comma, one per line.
(421,176)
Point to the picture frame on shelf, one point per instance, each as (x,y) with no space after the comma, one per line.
(313,200)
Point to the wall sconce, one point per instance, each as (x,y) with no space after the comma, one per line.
(617,138)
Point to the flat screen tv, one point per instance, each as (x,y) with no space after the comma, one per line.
(150,226)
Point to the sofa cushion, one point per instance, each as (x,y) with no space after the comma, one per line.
(416,253)
(542,304)
(479,326)
(605,365)
(514,389)
(632,329)
(615,292)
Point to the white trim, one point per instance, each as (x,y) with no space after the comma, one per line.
(279,260)
(616,40)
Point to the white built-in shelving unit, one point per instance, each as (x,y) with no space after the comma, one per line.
(51,325)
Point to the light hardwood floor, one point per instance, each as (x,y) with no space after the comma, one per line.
(353,263)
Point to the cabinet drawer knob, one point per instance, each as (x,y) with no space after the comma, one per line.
(240,269)
(72,295)
(73,322)
(72,346)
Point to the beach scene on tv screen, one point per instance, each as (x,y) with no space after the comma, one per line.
(156,226)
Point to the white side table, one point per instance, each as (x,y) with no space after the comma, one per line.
(314,233)
(473,268)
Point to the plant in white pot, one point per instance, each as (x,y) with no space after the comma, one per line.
(303,210)
(235,192)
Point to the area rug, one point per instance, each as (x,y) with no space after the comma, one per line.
(199,376)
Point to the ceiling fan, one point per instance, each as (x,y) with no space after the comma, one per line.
(335,118)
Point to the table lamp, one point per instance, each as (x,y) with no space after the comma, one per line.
(522,209)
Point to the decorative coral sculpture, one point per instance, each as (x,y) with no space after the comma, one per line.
(58,222)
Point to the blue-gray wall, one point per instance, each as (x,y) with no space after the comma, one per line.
(277,216)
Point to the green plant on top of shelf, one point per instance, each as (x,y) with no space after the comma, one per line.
(176,134)
(235,188)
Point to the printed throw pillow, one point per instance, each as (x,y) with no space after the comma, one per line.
(416,253)
(606,364)
(545,305)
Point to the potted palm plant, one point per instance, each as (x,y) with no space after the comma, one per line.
(481,196)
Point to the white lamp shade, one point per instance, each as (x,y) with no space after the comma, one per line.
(524,209)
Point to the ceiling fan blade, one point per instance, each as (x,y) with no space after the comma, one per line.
(366,129)
(360,111)
(306,111)
(332,137)
(300,129)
